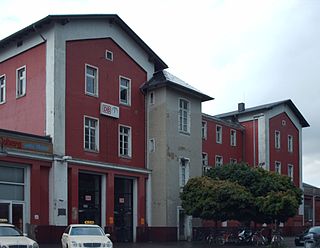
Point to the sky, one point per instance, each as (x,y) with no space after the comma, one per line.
(251,51)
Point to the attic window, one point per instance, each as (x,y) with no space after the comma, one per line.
(283,123)
(109,55)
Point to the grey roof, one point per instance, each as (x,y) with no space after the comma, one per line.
(268,106)
(64,19)
(233,124)
(163,78)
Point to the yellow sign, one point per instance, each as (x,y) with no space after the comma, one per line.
(89,222)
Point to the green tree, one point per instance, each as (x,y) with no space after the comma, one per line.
(241,192)
(217,200)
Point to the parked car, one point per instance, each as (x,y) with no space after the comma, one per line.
(312,237)
(299,239)
(84,235)
(10,236)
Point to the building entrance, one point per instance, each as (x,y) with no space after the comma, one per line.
(123,209)
(89,199)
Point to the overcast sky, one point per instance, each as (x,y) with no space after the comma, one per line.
(248,51)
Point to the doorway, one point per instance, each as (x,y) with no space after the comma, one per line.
(123,209)
(89,199)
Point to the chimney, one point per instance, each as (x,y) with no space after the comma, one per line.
(241,107)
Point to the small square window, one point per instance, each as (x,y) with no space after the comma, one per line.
(109,55)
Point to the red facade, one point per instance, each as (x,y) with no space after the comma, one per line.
(29,110)
(78,104)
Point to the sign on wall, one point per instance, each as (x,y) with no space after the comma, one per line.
(109,110)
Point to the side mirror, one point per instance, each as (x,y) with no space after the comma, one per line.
(25,235)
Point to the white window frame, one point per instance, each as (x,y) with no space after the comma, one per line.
(21,82)
(106,55)
(184,116)
(219,134)
(122,135)
(277,167)
(95,79)
(127,89)
(277,139)
(290,171)
(218,160)
(96,134)
(204,130)
(290,143)
(205,163)
(233,137)
(2,89)
(184,167)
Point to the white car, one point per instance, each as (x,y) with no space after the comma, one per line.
(10,236)
(83,235)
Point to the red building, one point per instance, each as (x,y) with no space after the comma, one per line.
(271,138)
(101,133)
(77,79)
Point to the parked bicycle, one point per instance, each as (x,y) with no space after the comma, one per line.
(276,240)
(258,239)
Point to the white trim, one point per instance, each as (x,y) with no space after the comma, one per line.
(106,55)
(277,139)
(95,78)
(218,137)
(96,134)
(204,130)
(128,88)
(290,143)
(129,141)
(3,87)
(180,116)
(275,167)
(233,137)
(215,162)
(24,81)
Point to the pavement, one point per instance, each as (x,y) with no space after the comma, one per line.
(288,242)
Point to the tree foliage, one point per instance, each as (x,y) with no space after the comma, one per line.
(243,193)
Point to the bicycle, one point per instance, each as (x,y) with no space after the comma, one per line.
(258,239)
(276,240)
(215,239)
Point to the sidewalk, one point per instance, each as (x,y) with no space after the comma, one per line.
(288,242)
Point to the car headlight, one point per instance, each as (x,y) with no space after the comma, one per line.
(75,244)
(35,245)
(108,244)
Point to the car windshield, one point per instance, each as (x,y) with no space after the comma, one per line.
(315,229)
(91,231)
(6,231)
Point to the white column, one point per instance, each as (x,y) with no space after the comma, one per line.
(58,193)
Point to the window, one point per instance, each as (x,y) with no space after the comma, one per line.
(277,167)
(125,141)
(218,134)
(290,171)
(21,82)
(204,130)
(12,183)
(91,80)
(91,134)
(125,91)
(151,98)
(183,171)
(233,161)
(2,89)
(109,55)
(290,143)
(277,139)
(219,160)
(205,166)
(152,145)
(233,137)
(184,116)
